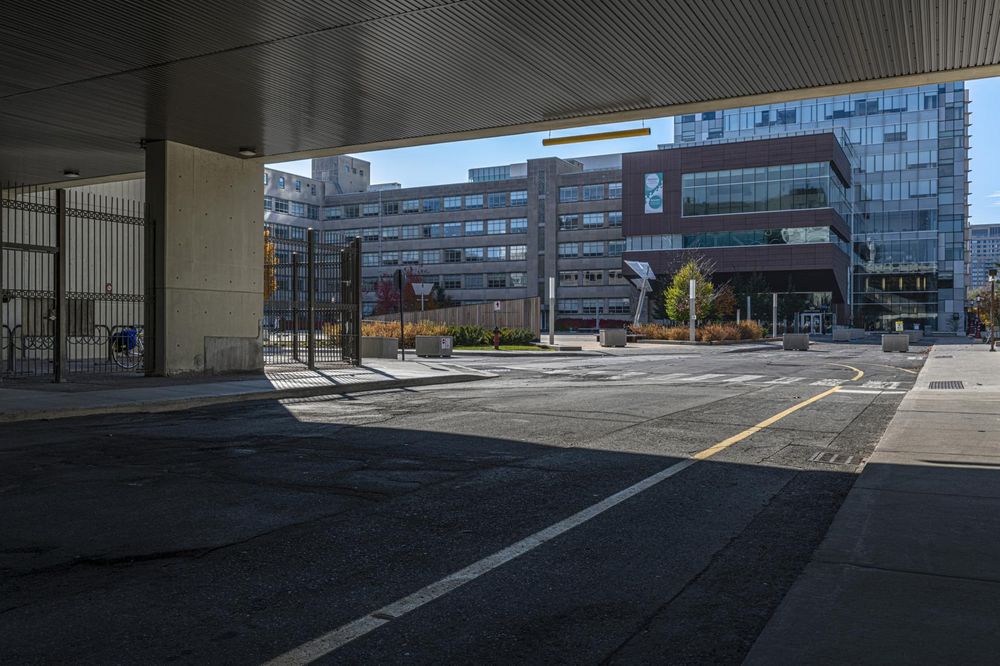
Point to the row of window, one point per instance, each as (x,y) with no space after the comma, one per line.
(595,192)
(590,278)
(613,248)
(297,184)
(429,205)
(465,281)
(446,256)
(576,221)
(516,225)
(593,306)
(786,236)
(296,208)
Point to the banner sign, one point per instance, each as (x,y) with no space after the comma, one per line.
(653,192)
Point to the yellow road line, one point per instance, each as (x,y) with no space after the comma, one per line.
(861,373)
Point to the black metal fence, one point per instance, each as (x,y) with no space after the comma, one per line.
(72,290)
(312,310)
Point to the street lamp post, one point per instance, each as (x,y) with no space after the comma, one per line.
(993,300)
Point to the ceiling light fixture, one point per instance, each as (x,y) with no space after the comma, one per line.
(71,173)
(248,151)
(599,136)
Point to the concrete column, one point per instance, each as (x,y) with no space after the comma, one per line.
(205,249)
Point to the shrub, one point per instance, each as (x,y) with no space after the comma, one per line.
(717,332)
(469,336)
(516,336)
(390,329)
(750,330)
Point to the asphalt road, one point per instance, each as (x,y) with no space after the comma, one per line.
(238,534)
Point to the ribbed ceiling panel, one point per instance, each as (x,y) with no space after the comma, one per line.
(81,83)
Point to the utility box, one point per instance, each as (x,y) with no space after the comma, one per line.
(613,337)
(842,335)
(795,342)
(378,347)
(895,342)
(438,346)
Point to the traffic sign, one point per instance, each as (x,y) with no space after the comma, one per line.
(496,306)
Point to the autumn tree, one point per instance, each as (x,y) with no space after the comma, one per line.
(270,266)
(387,294)
(676,297)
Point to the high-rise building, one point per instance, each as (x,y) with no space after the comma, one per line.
(984,253)
(911,213)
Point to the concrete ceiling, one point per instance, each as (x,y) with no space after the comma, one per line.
(82,83)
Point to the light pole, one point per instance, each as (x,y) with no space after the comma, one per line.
(993,300)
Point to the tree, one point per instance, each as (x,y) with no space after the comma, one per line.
(676,298)
(270,266)
(984,308)
(724,301)
(387,295)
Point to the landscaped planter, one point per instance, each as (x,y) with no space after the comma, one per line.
(613,337)
(438,346)
(896,342)
(378,347)
(795,342)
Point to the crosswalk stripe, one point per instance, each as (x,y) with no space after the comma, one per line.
(670,376)
(785,380)
(700,378)
(742,378)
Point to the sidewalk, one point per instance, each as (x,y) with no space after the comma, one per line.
(23,401)
(909,571)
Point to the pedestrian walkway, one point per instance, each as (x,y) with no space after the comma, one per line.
(30,401)
(909,571)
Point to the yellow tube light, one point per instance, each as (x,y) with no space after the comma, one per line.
(598,136)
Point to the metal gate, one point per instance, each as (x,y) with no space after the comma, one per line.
(312,305)
(72,290)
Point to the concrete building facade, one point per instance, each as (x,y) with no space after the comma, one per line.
(984,253)
(912,220)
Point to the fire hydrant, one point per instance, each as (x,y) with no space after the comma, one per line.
(496,338)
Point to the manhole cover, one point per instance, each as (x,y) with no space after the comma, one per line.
(947,385)
(944,356)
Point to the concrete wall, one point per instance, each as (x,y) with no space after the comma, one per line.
(206,213)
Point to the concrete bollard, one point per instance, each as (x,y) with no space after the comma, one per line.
(613,337)
(915,336)
(378,347)
(895,342)
(438,346)
(842,335)
(795,342)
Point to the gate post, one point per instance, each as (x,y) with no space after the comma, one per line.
(356,293)
(311,297)
(295,306)
(59,270)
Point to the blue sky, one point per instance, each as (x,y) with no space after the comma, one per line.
(450,162)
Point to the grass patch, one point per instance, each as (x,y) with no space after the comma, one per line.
(502,348)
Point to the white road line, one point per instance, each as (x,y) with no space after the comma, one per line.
(700,378)
(742,378)
(329,642)
(870,391)
(829,382)
(785,380)
(670,377)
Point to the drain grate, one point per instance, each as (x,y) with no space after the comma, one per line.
(947,385)
(943,356)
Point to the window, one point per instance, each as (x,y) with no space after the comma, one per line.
(411,206)
(335,212)
(390,258)
(430,257)
(312,212)
(473,254)
(409,257)
(519,198)
(497,253)
(297,208)
(369,209)
(297,233)
(452,203)
(352,211)
(592,306)
(474,228)
(312,190)
(474,281)
(431,231)
(568,194)
(591,220)
(280,206)
(593,249)
(497,200)
(616,248)
(369,258)
(519,225)
(452,229)
(614,218)
(268,203)
(410,231)
(616,277)
(591,278)
(281,182)
(451,282)
(568,249)
(518,252)
(453,256)
(569,222)
(569,278)
(431,205)
(618,306)
(370,234)
(474,201)
(568,305)
(593,192)
(266,177)
(496,280)
(494,227)
(518,279)
(298,185)
(390,208)
(614,190)
(390,233)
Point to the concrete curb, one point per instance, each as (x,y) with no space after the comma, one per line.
(181,404)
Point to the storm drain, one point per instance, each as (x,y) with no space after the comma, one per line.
(947,385)
(834,458)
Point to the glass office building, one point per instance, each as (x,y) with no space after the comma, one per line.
(911,217)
